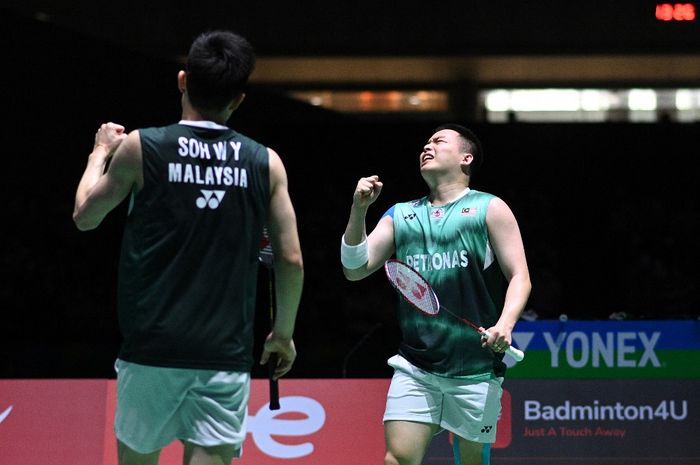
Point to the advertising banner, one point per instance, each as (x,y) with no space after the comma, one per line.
(645,349)
(562,422)
(618,393)
(321,421)
(52,421)
(574,422)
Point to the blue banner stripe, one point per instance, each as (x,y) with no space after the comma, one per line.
(662,334)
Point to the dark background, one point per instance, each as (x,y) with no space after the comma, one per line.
(609,211)
(374,28)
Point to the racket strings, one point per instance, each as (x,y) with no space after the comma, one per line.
(412,287)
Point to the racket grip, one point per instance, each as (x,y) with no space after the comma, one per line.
(274,385)
(517,354)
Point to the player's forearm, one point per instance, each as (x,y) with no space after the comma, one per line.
(93,171)
(354,248)
(289,281)
(356,230)
(516,298)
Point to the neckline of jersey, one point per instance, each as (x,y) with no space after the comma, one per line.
(202,124)
(461,194)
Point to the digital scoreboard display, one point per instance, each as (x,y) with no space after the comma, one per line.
(675,12)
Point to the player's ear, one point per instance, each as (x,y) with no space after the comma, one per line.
(237,101)
(468,159)
(182,81)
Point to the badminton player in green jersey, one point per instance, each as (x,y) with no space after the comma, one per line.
(200,195)
(467,244)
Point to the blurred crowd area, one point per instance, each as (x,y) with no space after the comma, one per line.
(608,212)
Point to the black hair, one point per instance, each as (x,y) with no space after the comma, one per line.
(219,64)
(474,144)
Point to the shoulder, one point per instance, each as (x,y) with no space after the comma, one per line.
(132,143)
(413,203)
(126,164)
(273,156)
(247,140)
(476,194)
(499,212)
(479,199)
(165,128)
(129,150)
(259,151)
(158,134)
(278,173)
(406,211)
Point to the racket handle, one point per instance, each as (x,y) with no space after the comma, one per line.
(274,385)
(517,354)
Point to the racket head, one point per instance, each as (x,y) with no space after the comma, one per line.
(412,287)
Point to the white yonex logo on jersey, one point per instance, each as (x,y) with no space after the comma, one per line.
(210,199)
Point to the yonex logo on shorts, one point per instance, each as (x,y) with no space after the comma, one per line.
(486,429)
(211,199)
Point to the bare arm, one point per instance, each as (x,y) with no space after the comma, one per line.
(380,241)
(508,246)
(288,268)
(99,192)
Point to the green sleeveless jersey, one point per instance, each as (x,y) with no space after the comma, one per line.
(449,246)
(189,258)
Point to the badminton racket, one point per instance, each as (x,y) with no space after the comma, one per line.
(420,294)
(266,257)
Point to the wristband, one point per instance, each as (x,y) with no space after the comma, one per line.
(353,256)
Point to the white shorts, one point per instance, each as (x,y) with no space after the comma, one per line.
(466,407)
(157,405)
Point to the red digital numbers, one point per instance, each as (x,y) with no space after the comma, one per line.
(675,11)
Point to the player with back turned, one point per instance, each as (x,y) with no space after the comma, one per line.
(201,195)
(467,244)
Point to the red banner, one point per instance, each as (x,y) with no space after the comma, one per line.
(60,422)
(69,422)
(66,422)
